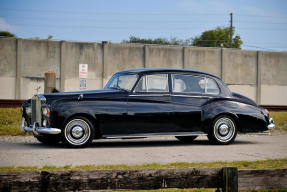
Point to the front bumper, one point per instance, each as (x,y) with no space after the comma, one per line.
(36,129)
(271,124)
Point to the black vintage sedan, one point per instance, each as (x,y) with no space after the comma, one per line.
(145,102)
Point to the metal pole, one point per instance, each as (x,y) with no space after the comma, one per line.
(230,38)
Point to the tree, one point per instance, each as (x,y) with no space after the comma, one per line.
(160,41)
(218,37)
(6,34)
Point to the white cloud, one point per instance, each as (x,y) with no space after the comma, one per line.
(4,26)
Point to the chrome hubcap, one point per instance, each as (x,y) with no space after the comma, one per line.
(224,129)
(77,132)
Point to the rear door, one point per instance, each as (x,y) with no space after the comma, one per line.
(189,94)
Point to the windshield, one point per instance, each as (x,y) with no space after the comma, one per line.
(122,81)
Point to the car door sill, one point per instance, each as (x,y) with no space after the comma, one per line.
(144,135)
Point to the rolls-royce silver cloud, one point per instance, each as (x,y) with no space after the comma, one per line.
(145,102)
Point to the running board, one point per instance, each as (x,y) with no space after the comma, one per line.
(144,135)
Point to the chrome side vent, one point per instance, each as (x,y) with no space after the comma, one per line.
(36,110)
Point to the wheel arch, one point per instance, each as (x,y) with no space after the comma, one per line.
(232,115)
(208,121)
(90,117)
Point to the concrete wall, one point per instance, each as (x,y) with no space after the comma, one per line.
(261,76)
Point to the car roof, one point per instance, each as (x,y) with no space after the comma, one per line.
(150,70)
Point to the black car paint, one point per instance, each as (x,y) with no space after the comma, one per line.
(119,112)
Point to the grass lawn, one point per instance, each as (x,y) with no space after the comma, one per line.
(260,164)
(10,120)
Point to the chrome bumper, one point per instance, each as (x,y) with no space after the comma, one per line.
(37,129)
(271,124)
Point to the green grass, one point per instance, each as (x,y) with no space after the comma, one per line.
(260,164)
(10,120)
(280,119)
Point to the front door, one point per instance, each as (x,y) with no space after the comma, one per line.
(149,106)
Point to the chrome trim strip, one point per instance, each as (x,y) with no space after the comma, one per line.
(195,96)
(150,95)
(44,130)
(197,133)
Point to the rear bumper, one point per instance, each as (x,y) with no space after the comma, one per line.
(36,129)
(271,124)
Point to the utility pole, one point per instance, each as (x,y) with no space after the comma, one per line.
(230,40)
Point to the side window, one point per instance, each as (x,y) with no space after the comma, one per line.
(187,84)
(153,83)
(193,84)
(211,86)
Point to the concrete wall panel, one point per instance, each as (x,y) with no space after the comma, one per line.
(203,59)
(164,57)
(246,90)
(7,87)
(239,67)
(274,68)
(120,57)
(274,95)
(28,86)
(7,58)
(39,57)
(82,53)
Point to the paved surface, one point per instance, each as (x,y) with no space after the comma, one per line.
(26,151)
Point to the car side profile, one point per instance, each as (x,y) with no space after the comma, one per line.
(145,102)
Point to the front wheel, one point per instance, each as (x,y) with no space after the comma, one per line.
(223,131)
(78,132)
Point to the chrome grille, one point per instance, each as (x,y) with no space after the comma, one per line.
(36,110)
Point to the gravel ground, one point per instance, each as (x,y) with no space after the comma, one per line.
(27,151)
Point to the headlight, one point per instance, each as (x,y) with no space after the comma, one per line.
(46,111)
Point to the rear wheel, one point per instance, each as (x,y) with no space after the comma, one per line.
(78,132)
(49,139)
(223,131)
(186,139)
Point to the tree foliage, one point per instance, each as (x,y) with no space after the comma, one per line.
(218,37)
(160,41)
(6,34)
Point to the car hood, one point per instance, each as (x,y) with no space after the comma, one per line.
(76,94)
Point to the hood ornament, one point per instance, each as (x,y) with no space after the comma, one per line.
(38,88)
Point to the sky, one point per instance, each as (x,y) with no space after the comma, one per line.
(262,24)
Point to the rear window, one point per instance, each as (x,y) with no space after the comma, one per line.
(194,84)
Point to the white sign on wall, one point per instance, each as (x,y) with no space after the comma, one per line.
(83,71)
(83,84)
